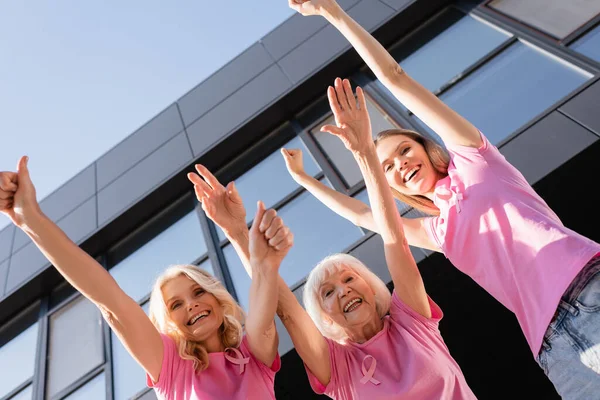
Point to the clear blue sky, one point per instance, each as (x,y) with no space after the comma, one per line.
(77,77)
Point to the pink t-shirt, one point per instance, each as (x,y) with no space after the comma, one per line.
(234,375)
(407,360)
(495,228)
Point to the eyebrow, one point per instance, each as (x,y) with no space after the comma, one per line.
(176,297)
(395,151)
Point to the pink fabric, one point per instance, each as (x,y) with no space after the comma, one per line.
(234,374)
(407,360)
(496,229)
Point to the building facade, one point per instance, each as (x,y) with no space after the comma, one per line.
(526,73)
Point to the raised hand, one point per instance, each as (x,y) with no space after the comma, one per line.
(223,205)
(270,239)
(353,125)
(17,194)
(312,7)
(293,161)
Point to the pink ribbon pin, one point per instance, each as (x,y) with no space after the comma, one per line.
(368,375)
(239,359)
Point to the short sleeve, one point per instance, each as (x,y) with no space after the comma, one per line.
(171,364)
(270,370)
(406,316)
(315,384)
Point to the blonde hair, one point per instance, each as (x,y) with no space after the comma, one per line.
(438,158)
(324,269)
(230,331)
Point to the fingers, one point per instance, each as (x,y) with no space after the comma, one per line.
(233,193)
(8,181)
(23,170)
(5,195)
(341,94)
(282,239)
(6,204)
(259,217)
(348,94)
(201,188)
(291,153)
(267,219)
(334,130)
(362,102)
(208,177)
(276,224)
(333,102)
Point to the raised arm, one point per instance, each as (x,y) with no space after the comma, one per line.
(123,314)
(350,208)
(354,129)
(451,126)
(225,208)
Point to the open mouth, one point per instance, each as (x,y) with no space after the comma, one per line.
(411,173)
(353,305)
(198,317)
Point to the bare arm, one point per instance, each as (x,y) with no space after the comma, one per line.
(451,126)
(350,208)
(354,129)
(122,313)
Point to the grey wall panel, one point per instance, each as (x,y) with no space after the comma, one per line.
(347,4)
(584,108)
(142,178)
(291,34)
(3,273)
(23,265)
(20,241)
(81,222)
(329,43)
(6,238)
(398,4)
(138,145)
(239,107)
(546,146)
(224,82)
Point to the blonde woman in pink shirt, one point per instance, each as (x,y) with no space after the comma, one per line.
(356,339)
(193,345)
(486,219)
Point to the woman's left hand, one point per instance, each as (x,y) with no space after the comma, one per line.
(352,123)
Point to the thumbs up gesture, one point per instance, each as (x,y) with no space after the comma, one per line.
(17,194)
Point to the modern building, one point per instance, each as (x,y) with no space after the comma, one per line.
(527,73)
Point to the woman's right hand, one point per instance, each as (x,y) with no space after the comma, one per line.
(17,195)
(293,162)
(312,7)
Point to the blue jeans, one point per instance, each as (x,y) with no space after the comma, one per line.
(570,353)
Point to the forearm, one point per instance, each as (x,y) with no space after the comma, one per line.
(345,206)
(240,241)
(263,300)
(75,265)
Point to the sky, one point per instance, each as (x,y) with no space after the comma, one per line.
(77,77)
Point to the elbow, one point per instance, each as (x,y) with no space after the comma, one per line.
(392,74)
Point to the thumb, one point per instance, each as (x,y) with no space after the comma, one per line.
(233,193)
(286,153)
(334,130)
(260,212)
(23,170)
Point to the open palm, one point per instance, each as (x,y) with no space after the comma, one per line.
(352,123)
(223,205)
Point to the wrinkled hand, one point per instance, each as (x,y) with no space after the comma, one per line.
(312,7)
(293,162)
(352,123)
(223,205)
(270,239)
(17,194)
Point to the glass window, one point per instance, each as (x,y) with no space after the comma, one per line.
(25,394)
(451,52)
(17,360)
(270,181)
(318,232)
(128,377)
(93,390)
(181,243)
(589,44)
(338,154)
(556,17)
(75,344)
(150,395)
(511,89)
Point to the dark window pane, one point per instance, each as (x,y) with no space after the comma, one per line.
(93,390)
(181,243)
(25,394)
(270,181)
(513,88)
(75,344)
(452,52)
(338,154)
(589,44)
(318,232)
(556,17)
(17,360)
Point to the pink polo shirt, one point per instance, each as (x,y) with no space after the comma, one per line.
(495,228)
(234,374)
(407,360)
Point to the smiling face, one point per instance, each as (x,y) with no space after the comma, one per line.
(407,166)
(347,299)
(196,313)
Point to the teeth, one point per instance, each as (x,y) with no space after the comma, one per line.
(197,317)
(351,303)
(408,176)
